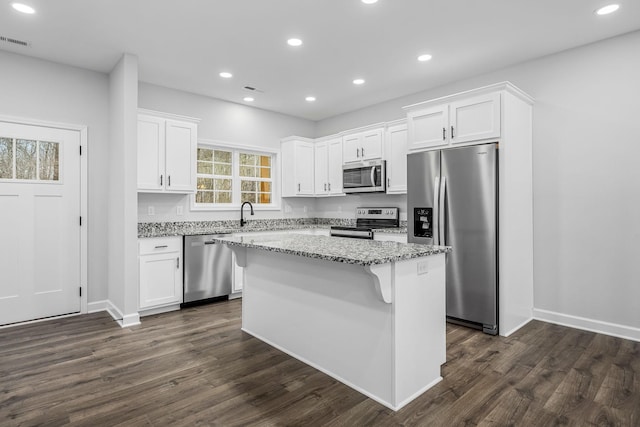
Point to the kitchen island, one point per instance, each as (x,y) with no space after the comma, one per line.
(370,314)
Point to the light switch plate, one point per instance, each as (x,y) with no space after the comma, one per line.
(151,210)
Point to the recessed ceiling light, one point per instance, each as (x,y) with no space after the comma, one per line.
(23,8)
(226,75)
(424,58)
(605,10)
(294,42)
(310,98)
(248,99)
(358,82)
(369,1)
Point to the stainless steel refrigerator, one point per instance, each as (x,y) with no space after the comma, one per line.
(452,198)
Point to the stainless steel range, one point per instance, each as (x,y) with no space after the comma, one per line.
(368,219)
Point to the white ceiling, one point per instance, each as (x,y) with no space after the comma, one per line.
(184,44)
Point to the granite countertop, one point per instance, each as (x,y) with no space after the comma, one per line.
(337,249)
(391,230)
(190,228)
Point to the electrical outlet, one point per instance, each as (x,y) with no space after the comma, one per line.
(179,210)
(151,210)
(423,267)
(287,209)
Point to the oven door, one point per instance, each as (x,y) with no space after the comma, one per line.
(364,178)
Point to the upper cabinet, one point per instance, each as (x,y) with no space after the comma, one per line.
(362,145)
(395,143)
(297,165)
(328,167)
(167,147)
(465,119)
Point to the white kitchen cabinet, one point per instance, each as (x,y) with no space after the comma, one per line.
(363,145)
(474,119)
(466,120)
(166,154)
(328,167)
(396,156)
(297,165)
(160,272)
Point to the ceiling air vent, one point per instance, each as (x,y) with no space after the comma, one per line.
(253,89)
(14,41)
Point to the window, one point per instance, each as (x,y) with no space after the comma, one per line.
(29,160)
(229,176)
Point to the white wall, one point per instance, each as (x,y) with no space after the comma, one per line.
(122,195)
(586,178)
(43,90)
(224,121)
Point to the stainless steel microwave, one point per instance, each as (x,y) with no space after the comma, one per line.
(364,177)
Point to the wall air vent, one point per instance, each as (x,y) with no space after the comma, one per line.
(14,41)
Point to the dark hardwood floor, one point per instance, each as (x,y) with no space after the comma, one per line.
(195,367)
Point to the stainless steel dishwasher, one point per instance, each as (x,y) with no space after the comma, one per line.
(208,269)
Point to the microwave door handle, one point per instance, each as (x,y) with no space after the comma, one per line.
(436,209)
(443,189)
(373,176)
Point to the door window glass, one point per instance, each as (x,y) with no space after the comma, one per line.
(29,160)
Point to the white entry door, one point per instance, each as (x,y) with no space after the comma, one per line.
(39,222)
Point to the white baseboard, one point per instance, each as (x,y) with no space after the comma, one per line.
(106,305)
(591,325)
(507,333)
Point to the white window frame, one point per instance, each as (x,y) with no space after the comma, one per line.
(235,187)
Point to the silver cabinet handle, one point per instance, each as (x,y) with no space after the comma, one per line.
(329,186)
(161,180)
(443,189)
(298,187)
(325,186)
(169,180)
(388,182)
(162,246)
(362,151)
(177,263)
(435,221)
(444,133)
(452,135)
(357,152)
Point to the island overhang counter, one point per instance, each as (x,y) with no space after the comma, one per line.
(370,314)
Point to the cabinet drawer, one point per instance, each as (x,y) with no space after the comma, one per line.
(159,245)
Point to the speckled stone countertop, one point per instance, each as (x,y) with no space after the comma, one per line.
(337,249)
(190,228)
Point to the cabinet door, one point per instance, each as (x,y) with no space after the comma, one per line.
(160,279)
(151,136)
(335,166)
(396,154)
(475,118)
(181,146)
(304,168)
(371,144)
(321,154)
(351,145)
(428,127)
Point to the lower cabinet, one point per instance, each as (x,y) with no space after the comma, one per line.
(160,272)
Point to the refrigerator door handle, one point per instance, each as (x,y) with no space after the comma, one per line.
(441,222)
(436,209)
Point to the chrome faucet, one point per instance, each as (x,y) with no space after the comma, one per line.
(242,220)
